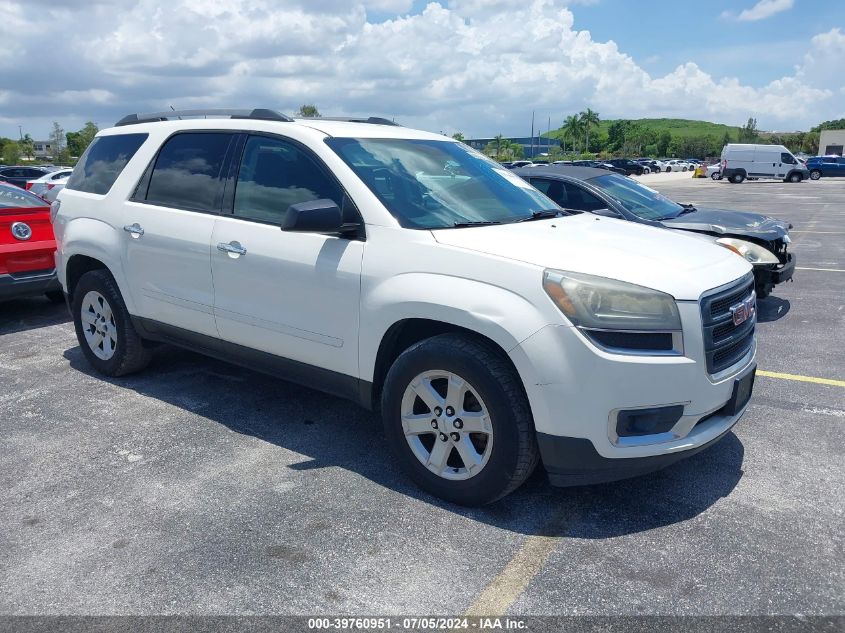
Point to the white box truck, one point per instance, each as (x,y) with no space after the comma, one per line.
(743,160)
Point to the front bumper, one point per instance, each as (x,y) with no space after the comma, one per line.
(775,273)
(575,462)
(27,284)
(577,390)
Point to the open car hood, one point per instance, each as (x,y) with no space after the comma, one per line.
(727,222)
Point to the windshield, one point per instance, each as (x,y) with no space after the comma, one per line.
(439,184)
(640,200)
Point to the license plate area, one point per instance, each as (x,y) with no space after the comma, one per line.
(743,386)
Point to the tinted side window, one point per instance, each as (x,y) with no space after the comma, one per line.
(102,162)
(553,189)
(582,199)
(275,174)
(186,174)
(787,158)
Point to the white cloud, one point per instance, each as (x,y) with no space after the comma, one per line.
(762,10)
(459,65)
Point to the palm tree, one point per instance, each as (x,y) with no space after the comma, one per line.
(572,128)
(499,140)
(588,119)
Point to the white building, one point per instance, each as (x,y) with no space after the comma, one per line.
(42,149)
(831,142)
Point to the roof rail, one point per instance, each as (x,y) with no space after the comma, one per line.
(258,113)
(373,120)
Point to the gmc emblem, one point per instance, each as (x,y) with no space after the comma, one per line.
(744,310)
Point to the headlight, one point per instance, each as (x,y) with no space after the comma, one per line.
(606,304)
(754,253)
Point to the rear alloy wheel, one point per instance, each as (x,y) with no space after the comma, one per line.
(104,328)
(457,418)
(815,174)
(716,175)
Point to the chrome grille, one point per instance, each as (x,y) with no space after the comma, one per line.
(724,342)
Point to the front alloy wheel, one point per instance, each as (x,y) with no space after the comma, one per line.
(447,425)
(457,418)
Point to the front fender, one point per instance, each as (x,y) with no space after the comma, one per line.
(501,315)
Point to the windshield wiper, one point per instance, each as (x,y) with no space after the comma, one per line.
(542,215)
(475,223)
(687,208)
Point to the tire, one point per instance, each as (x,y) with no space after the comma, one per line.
(763,290)
(716,175)
(737,178)
(121,350)
(815,174)
(503,454)
(683,168)
(795,177)
(55,296)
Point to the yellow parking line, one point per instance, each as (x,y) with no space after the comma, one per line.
(506,588)
(819,381)
(827,270)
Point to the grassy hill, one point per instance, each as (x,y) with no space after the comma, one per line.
(678,127)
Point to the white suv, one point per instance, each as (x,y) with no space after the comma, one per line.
(409,273)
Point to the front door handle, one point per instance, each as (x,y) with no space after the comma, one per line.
(134,230)
(232,248)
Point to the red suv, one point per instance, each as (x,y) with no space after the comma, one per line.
(27,246)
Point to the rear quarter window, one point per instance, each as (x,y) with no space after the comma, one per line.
(103,161)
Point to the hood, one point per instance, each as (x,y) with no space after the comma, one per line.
(681,265)
(727,222)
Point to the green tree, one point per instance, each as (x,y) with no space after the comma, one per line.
(588,118)
(77,142)
(748,132)
(725,140)
(27,146)
(837,124)
(663,143)
(498,143)
(12,153)
(811,142)
(458,136)
(616,134)
(572,129)
(57,141)
(309,111)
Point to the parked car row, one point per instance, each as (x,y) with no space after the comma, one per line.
(629,167)
(45,181)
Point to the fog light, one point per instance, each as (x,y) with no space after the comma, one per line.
(634,422)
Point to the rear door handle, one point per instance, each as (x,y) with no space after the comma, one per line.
(232,248)
(134,230)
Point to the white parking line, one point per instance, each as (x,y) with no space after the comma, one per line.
(827,270)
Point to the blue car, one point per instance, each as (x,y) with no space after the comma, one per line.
(827,166)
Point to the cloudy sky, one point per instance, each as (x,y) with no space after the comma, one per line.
(475,66)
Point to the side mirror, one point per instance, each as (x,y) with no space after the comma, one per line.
(316,216)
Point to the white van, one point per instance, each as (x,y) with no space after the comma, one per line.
(742,160)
